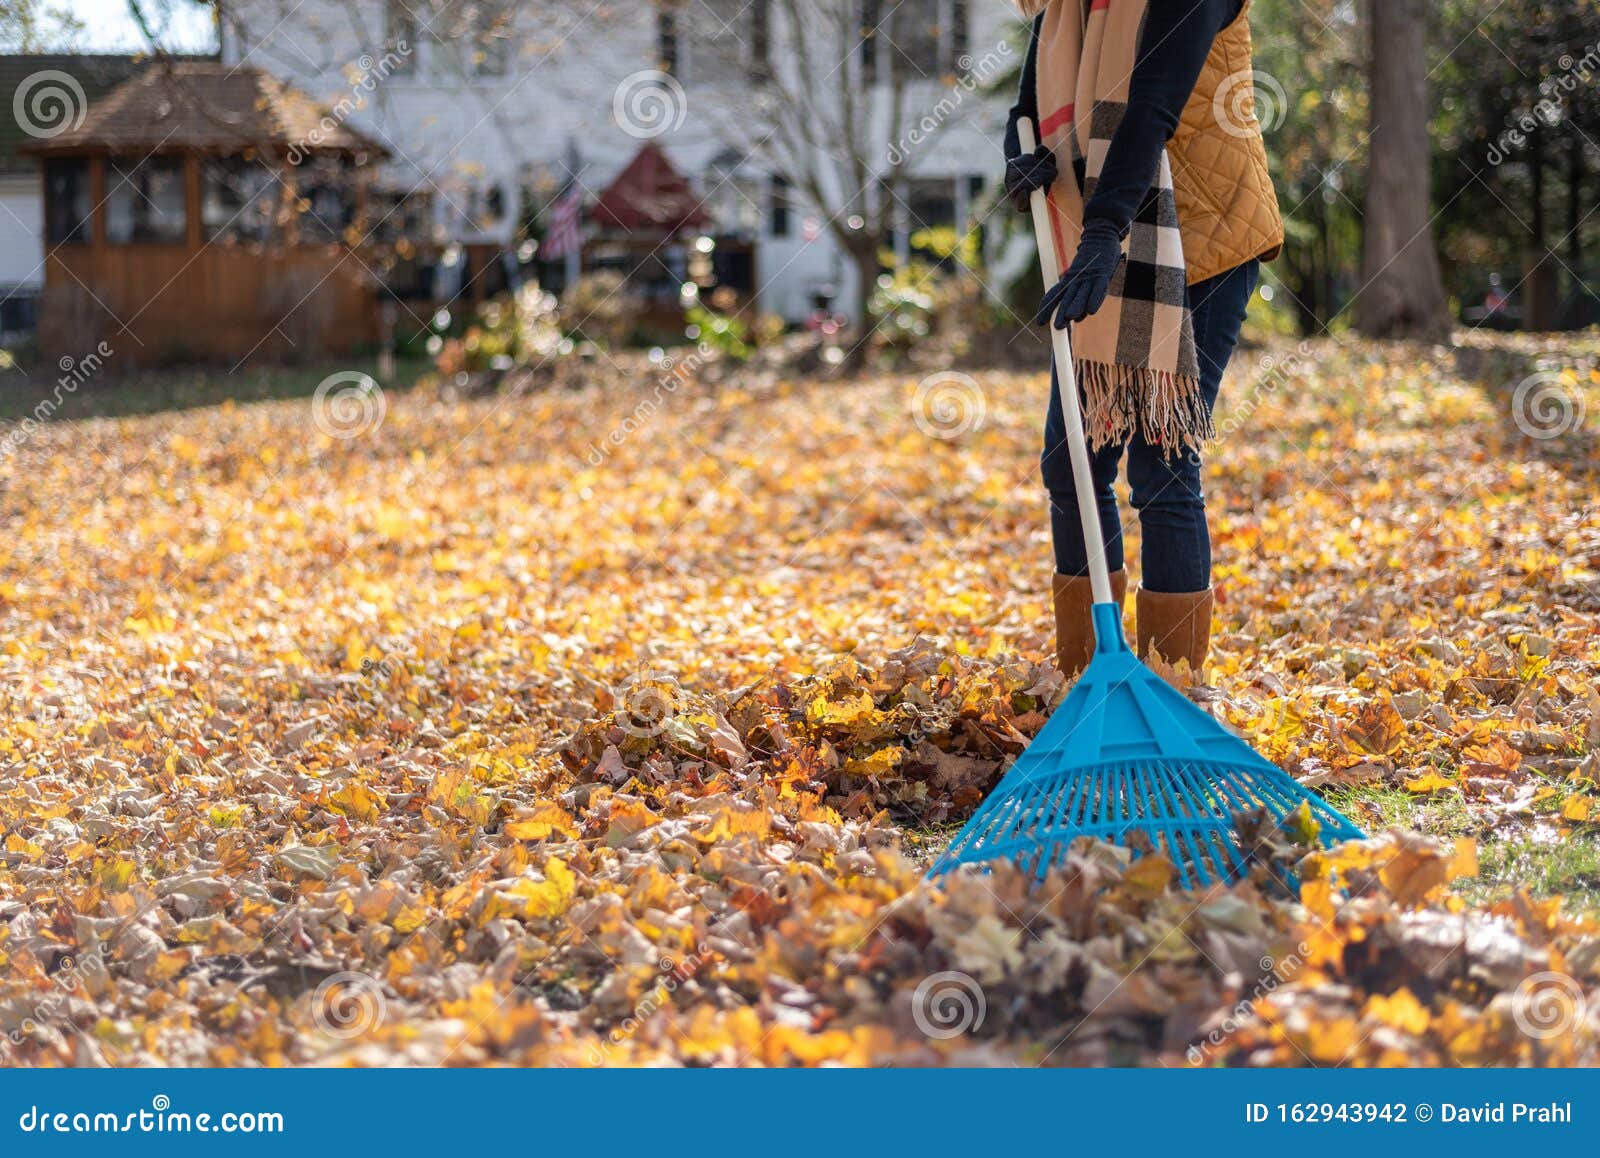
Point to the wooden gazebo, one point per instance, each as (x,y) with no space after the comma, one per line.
(202,211)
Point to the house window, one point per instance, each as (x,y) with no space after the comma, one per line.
(871,40)
(66,201)
(238,200)
(927,41)
(736,33)
(402,34)
(488,32)
(486,208)
(403,217)
(19,313)
(782,215)
(327,201)
(930,203)
(667,59)
(761,41)
(144,200)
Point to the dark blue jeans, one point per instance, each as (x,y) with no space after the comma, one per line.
(1166,490)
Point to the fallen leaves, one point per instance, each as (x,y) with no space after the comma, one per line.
(641,765)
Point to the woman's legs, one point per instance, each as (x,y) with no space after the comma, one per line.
(1175,595)
(1055,464)
(1176,544)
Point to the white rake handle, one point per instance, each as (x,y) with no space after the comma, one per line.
(1094,542)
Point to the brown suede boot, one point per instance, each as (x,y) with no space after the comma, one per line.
(1174,627)
(1074,628)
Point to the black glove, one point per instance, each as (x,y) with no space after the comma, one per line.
(1030,171)
(1082,289)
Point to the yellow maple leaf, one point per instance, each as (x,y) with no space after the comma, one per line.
(358,801)
(1400,1009)
(550,897)
(1149,874)
(1429,781)
(540,821)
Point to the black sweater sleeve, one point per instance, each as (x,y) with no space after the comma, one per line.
(1027,94)
(1173,48)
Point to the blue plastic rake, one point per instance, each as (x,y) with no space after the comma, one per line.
(1126,756)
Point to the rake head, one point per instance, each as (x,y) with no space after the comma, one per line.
(1127,754)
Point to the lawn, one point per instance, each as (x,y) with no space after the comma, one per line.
(615,725)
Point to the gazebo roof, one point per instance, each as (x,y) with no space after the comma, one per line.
(210,106)
(649,195)
(43,77)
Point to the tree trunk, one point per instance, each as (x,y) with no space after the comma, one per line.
(1536,187)
(864,258)
(1575,207)
(1403,294)
(1538,270)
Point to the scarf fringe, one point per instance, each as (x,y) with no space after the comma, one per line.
(1166,408)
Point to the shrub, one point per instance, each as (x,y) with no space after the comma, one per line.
(596,310)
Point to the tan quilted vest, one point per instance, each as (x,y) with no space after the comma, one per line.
(1227,209)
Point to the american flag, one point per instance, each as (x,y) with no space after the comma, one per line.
(563,235)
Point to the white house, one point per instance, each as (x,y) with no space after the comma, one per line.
(489,107)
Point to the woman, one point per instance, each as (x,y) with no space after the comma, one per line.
(1159,194)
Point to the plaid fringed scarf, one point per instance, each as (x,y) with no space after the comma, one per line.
(1135,358)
